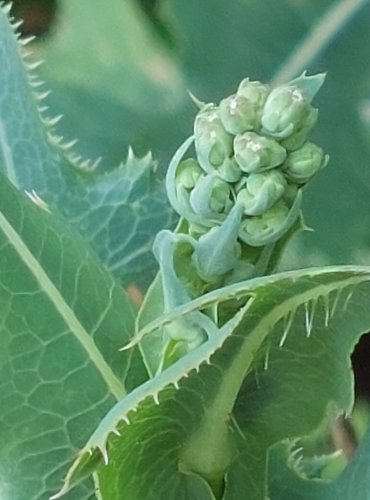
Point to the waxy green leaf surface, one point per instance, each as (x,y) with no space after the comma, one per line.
(353,482)
(63,320)
(117,212)
(269,374)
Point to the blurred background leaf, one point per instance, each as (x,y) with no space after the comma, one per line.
(117,211)
(120,75)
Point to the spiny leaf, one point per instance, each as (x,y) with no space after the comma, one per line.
(185,412)
(130,80)
(118,212)
(63,321)
(285,482)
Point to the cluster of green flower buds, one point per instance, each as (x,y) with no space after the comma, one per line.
(240,194)
(251,153)
(243,190)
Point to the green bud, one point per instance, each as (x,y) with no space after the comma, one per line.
(255,153)
(261,226)
(188,173)
(229,170)
(262,191)
(303,164)
(298,138)
(288,106)
(242,111)
(211,196)
(213,144)
(238,114)
(255,92)
(285,110)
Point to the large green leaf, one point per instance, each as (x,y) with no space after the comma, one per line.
(63,320)
(269,374)
(353,483)
(118,212)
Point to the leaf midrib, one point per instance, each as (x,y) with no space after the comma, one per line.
(5,149)
(65,311)
(217,415)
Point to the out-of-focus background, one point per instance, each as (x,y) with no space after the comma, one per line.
(120,72)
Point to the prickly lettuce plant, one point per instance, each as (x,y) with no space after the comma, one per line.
(210,389)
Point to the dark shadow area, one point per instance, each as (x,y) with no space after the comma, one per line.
(361,367)
(155,15)
(37,15)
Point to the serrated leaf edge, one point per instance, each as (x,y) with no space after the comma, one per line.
(202,355)
(62,145)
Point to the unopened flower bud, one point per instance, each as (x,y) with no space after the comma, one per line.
(255,92)
(188,173)
(213,144)
(262,191)
(288,106)
(229,170)
(285,110)
(298,138)
(259,228)
(303,164)
(238,114)
(255,153)
(210,196)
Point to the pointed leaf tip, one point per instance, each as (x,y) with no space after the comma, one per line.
(7,7)
(200,104)
(309,85)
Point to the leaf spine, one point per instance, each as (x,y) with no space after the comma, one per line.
(326,305)
(17,23)
(348,299)
(288,320)
(35,198)
(34,83)
(309,315)
(42,95)
(7,7)
(26,41)
(51,122)
(267,359)
(104,453)
(156,398)
(70,144)
(336,301)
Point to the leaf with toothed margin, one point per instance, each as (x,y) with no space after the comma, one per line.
(63,319)
(322,35)
(118,212)
(218,410)
(287,481)
(117,70)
